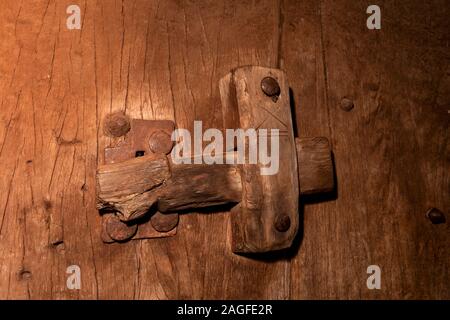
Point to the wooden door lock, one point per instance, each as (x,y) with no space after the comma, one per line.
(141,190)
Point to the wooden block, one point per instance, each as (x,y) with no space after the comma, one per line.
(132,187)
(267,217)
(315,166)
(195,186)
(128,187)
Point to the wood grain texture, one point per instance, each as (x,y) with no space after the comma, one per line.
(315,165)
(153,60)
(391,151)
(163,60)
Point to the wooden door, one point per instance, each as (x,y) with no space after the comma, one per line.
(163,60)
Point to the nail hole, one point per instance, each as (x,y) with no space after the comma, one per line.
(59,246)
(139,153)
(24,274)
(57,242)
(47,204)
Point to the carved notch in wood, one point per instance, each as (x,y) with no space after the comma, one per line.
(265,215)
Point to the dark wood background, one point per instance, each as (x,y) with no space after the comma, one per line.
(162,60)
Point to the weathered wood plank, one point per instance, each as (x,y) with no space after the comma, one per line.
(208,39)
(267,217)
(163,60)
(153,60)
(391,150)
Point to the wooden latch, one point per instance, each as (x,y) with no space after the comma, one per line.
(141,190)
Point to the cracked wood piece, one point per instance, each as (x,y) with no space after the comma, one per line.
(266,199)
(127,186)
(315,166)
(200,185)
(118,230)
(132,187)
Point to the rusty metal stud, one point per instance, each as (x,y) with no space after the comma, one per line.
(347,104)
(104,234)
(119,230)
(160,142)
(436,216)
(164,222)
(116,124)
(271,88)
(282,223)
